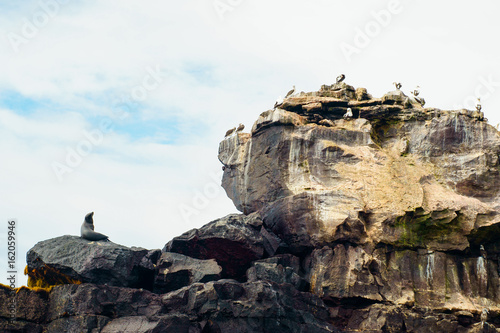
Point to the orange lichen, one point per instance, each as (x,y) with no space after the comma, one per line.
(47,277)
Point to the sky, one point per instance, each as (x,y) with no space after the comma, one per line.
(119,107)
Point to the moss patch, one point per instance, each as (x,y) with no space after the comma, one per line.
(417,228)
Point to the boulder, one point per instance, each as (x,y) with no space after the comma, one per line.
(231,241)
(282,268)
(260,306)
(71,259)
(175,271)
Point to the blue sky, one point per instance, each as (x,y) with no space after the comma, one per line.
(146,90)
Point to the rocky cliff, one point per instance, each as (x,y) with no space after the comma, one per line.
(386,220)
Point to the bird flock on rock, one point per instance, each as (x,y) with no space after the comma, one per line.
(340,78)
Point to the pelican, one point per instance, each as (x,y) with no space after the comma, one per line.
(397,85)
(240,128)
(229,132)
(478,104)
(484,317)
(416,91)
(483,251)
(348,114)
(278,102)
(340,78)
(291,92)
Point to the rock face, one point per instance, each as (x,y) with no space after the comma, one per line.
(232,242)
(71,259)
(385,222)
(176,271)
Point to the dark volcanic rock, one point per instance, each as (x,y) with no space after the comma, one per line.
(71,259)
(34,303)
(280,269)
(176,270)
(232,242)
(100,300)
(260,306)
(19,326)
(177,323)
(87,323)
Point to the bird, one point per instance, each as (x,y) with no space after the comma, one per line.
(348,114)
(229,132)
(484,317)
(240,128)
(483,251)
(478,104)
(291,92)
(416,91)
(340,78)
(397,84)
(279,101)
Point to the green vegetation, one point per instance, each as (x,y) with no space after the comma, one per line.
(418,227)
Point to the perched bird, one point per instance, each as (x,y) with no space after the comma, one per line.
(397,85)
(416,91)
(291,92)
(229,132)
(483,251)
(279,101)
(240,128)
(340,78)
(484,317)
(348,114)
(478,104)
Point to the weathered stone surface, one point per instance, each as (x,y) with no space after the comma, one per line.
(422,278)
(140,324)
(19,326)
(280,269)
(100,300)
(175,271)
(86,323)
(71,259)
(389,175)
(260,306)
(28,305)
(232,242)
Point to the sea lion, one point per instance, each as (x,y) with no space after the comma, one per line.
(87,229)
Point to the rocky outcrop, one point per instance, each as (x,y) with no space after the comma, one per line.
(71,259)
(386,221)
(175,271)
(232,241)
(389,207)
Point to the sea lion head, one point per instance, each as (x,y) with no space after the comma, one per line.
(88,218)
